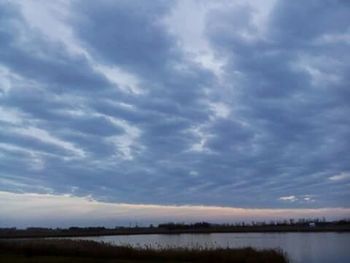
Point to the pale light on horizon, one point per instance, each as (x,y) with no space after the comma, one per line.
(50,210)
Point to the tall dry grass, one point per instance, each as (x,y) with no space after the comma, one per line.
(96,250)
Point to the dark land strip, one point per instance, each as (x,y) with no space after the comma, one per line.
(62,251)
(173,228)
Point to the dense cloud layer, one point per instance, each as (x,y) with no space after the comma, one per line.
(230,103)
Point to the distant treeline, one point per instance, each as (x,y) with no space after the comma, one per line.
(310,222)
(291,225)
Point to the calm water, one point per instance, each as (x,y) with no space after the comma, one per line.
(300,247)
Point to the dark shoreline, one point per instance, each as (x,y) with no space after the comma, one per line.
(85,232)
(65,250)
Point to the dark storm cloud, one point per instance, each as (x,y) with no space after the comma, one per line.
(273,125)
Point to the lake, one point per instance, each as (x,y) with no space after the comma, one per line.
(300,247)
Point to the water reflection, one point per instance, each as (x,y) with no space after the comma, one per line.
(300,247)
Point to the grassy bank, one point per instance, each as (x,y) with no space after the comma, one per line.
(61,251)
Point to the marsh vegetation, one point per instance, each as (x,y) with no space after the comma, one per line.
(61,251)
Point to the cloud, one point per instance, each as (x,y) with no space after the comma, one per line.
(340,177)
(45,137)
(300,199)
(232,103)
(290,198)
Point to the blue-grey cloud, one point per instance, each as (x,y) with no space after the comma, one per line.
(272,125)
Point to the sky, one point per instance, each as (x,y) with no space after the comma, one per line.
(124,111)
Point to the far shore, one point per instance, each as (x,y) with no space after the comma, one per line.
(172,229)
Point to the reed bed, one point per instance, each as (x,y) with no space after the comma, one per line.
(56,250)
